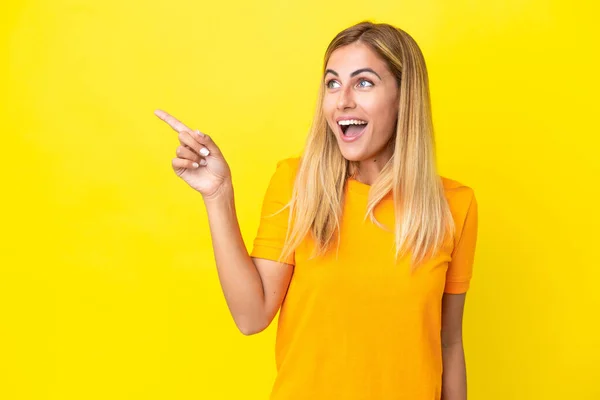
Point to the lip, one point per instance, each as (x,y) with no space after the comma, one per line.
(345,138)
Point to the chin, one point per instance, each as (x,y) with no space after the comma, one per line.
(353,155)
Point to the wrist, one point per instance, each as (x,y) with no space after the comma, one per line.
(222,195)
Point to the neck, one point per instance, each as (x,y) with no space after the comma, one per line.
(369,169)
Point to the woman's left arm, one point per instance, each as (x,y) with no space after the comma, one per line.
(454,377)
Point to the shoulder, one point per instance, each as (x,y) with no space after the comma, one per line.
(455,189)
(460,196)
(284,176)
(287,169)
(451,184)
(290,164)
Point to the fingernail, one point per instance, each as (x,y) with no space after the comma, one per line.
(203,162)
(204,152)
(199,133)
(195,165)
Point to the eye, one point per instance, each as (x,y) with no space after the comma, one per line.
(332,84)
(364,83)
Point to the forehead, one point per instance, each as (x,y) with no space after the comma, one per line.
(347,59)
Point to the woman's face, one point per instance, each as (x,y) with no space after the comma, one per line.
(361,103)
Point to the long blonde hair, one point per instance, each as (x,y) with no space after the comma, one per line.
(422,213)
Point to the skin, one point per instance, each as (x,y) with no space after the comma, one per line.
(454,377)
(358,83)
(255,288)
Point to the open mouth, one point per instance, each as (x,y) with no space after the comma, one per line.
(352,128)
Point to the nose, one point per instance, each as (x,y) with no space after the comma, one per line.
(345,98)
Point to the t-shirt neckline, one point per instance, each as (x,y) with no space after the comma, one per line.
(358,187)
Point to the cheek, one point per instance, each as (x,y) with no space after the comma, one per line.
(328,105)
(329,109)
(386,111)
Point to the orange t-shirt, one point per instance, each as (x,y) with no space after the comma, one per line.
(361,326)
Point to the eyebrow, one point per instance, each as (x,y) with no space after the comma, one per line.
(358,71)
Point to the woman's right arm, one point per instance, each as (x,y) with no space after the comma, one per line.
(254,288)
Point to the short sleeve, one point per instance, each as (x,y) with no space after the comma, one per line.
(273,225)
(460,268)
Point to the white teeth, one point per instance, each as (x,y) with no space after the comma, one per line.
(352,122)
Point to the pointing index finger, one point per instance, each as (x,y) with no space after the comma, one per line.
(173,122)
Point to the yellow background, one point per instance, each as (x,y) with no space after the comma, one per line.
(108,286)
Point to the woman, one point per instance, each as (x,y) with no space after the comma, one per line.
(366,250)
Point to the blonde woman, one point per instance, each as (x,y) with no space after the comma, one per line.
(366,251)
